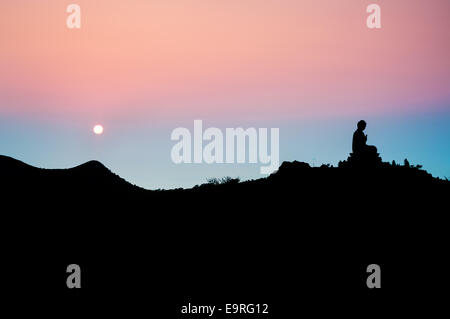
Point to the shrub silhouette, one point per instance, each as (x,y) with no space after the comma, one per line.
(223,180)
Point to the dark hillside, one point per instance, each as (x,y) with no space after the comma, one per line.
(299,233)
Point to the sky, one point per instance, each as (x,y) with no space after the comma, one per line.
(142,68)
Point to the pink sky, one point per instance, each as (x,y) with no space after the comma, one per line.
(204,58)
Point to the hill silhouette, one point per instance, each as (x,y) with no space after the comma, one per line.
(91,175)
(296,227)
(88,177)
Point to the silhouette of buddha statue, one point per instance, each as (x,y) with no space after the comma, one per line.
(359,146)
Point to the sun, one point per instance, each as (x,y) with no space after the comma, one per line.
(98,129)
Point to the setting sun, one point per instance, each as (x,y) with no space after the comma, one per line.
(98,129)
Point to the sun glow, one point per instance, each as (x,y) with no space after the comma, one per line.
(98,129)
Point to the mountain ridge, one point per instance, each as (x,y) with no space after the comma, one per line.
(94,172)
(90,174)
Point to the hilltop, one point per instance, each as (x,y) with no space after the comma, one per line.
(90,176)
